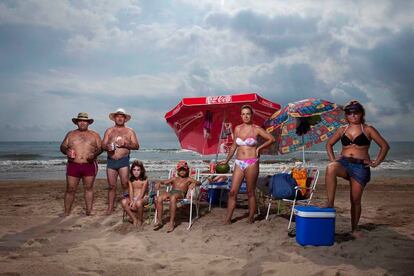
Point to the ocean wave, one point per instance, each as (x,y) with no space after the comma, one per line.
(52,162)
(20,156)
(164,165)
(165,150)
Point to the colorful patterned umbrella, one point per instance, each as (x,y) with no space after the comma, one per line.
(301,124)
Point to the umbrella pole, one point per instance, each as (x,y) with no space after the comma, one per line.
(219,140)
(303,150)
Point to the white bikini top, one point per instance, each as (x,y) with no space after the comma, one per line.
(249,141)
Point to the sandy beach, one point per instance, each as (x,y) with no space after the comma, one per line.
(36,241)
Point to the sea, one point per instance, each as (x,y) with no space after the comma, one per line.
(43,160)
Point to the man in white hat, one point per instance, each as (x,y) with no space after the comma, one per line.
(118,141)
(81,146)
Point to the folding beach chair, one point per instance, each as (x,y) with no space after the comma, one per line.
(191,199)
(303,195)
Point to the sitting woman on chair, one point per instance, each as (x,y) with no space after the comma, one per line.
(179,187)
(354,162)
(137,197)
(247,161)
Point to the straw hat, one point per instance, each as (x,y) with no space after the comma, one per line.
(82,116)
(119,111)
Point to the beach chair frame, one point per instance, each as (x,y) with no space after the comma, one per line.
(191,199)
(313,175)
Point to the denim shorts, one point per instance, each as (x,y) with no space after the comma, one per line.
(356,170)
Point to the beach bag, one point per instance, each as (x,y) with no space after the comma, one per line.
(282,185)
(301,175)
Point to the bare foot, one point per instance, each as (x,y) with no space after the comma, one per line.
(250,220)
(64,215)
(109,212)
(171,227)
(227,222)
(357,234)
(135,222)
(325,205)
(158,225)
(89,213)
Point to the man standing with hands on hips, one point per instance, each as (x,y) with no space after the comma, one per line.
(82,146)
(118,141)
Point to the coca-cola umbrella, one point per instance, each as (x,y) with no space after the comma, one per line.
(205,124)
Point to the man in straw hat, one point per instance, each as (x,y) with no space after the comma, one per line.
(81,146)
(118,141)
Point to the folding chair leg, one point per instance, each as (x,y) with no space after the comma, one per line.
(191,213)
(268,210)
(291,214)
(278,207)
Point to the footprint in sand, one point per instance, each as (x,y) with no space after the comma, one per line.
(283,258)
(182,259)
(136,260)
(158,266)
(77,226)
(219,261)
(270,272)
(111,223)
(97,271)
(37,242)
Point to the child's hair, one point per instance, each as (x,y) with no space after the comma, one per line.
(142,175)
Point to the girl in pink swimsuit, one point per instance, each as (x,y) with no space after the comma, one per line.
(247,161)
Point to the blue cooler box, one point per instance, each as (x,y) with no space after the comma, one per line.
(314,225)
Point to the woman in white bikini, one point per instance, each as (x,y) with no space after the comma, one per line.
(247,161)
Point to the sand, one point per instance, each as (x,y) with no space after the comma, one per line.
(36,241)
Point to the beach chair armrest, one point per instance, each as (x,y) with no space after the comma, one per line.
(301,188)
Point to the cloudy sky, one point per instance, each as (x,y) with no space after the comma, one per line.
(58,58)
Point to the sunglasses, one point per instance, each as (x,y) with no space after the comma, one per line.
(350,112)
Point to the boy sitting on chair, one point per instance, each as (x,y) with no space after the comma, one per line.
(180,185)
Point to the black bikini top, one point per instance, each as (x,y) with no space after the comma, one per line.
(360,140)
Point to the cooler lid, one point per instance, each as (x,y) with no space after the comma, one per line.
(314,212)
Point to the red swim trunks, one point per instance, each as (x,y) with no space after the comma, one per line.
(81,170)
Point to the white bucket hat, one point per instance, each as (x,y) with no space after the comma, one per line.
(119,111)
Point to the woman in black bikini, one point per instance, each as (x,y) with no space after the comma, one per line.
(354,162)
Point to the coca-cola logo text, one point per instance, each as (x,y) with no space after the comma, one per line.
(218,99)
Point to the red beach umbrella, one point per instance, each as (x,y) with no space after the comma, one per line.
(205,124)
